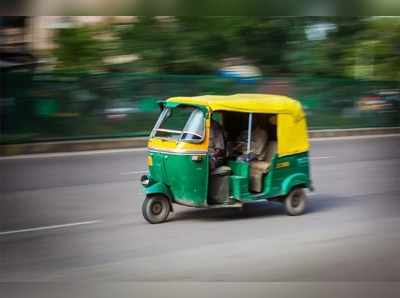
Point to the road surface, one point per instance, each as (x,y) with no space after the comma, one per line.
(77,217)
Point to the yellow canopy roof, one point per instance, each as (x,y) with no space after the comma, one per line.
(248,103)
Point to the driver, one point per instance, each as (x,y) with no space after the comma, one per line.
(217,145)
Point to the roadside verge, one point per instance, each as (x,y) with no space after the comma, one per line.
(138,142)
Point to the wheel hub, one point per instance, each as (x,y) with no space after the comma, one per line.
(295,201)
(156,208)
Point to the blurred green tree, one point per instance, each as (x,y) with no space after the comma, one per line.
(367,47)
(319,46)
(77,48)
(376,53)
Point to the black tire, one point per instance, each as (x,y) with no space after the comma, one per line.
(295,202)
(156,209)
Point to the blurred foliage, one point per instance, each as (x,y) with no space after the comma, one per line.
(59,106)
(196,45)
(77,48)
(358,47)
(330,64)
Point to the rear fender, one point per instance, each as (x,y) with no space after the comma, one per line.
(294,180)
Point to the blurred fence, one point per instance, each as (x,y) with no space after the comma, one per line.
(47,106)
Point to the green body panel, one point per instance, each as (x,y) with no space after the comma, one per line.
(239,181)
(157,188)
(238,187)
(239,168)
(294,180)
(284,173)
(287,172)
(185,179)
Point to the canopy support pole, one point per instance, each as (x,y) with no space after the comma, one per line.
(249,128)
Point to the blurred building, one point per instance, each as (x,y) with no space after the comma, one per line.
(38,32)
(15,43)
(43,28)
(23,39)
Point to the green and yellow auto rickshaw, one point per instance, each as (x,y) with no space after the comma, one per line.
(225,151)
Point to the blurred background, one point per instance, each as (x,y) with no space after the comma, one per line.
(78,216)
(79,77)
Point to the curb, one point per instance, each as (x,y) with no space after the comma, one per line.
(137,142)
(332,133)
(72,146)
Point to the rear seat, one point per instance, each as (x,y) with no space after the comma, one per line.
(258,168)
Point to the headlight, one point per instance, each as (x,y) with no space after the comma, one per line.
(149,161)
(145,180)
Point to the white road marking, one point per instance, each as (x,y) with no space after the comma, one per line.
(320,157)
(133,172)
(50,227)
(62,154)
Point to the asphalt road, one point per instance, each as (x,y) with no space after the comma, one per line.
(78,218)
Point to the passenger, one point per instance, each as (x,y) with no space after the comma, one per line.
(258,157)
(263,151)
(259,140)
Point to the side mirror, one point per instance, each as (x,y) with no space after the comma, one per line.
(161,104)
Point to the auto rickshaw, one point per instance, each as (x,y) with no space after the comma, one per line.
(265,155)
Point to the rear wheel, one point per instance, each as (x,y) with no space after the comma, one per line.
(295,202)
(156,209)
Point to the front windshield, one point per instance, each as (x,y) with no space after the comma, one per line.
(180,123)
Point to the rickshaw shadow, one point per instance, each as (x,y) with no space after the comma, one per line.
(316,204)
(327,202)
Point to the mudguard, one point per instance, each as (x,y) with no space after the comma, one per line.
(294,180)
(158,188)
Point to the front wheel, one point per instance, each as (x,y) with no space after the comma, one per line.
(156,209)
(295,202)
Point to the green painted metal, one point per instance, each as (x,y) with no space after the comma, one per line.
(239,167)
(239,181)
(298,179)
(287,172)
(239,187)
(284,173)
(186,179)
(157,188)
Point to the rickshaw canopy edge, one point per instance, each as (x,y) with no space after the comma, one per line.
(247,103)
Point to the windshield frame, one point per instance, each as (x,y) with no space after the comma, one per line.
(181,133)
